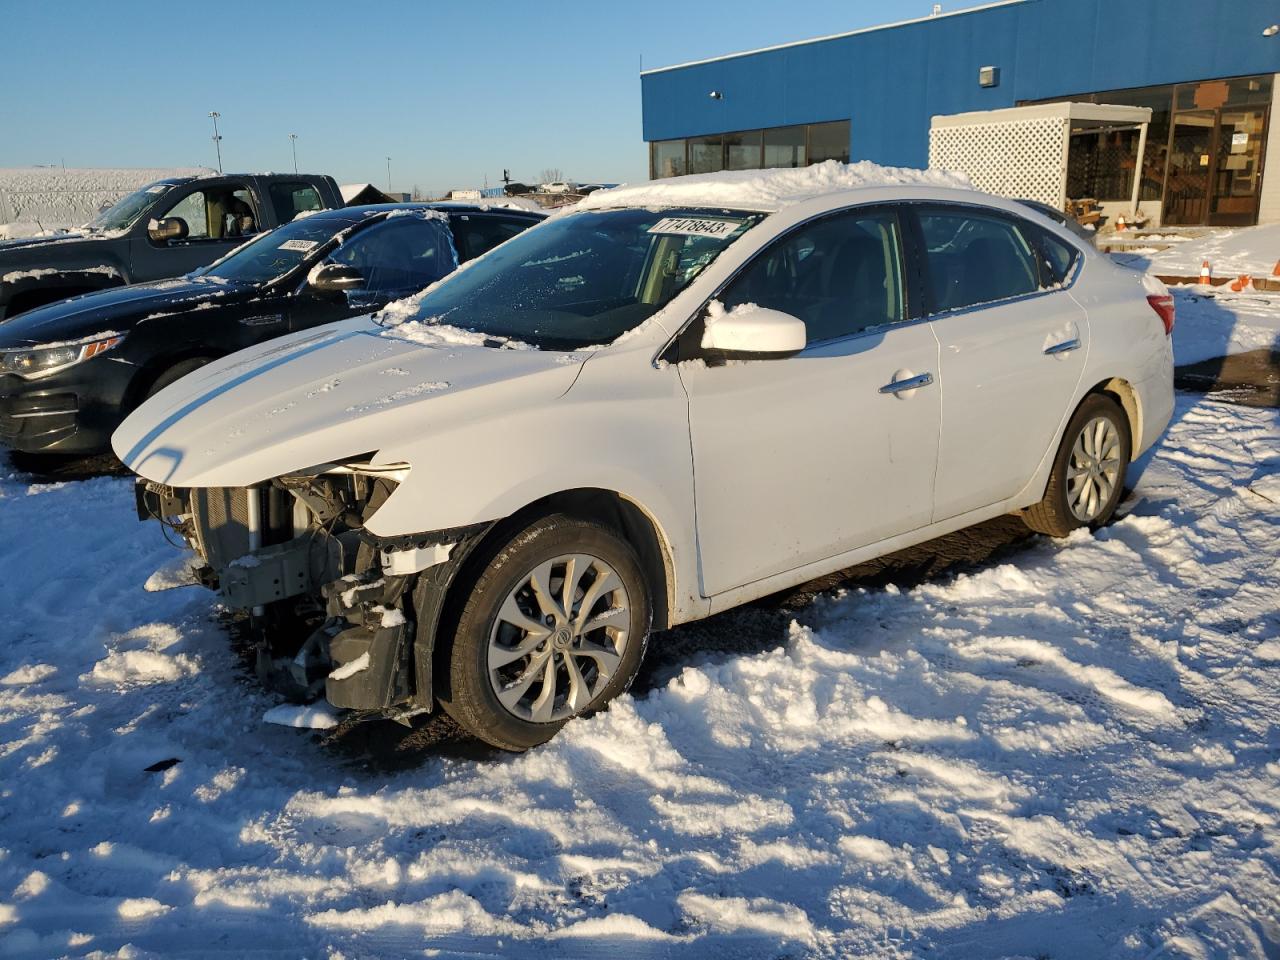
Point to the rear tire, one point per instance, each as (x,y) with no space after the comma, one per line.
(1087,479)
(554,627)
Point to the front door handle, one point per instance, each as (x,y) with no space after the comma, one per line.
(1066,346)
(910,383)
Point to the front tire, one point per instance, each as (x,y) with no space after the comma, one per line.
(554,627)
(1087,479)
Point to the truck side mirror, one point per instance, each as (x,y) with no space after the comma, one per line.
(335,278)
(167,228)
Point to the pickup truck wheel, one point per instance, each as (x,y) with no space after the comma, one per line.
(554,627)
(1087,479)
(174,374)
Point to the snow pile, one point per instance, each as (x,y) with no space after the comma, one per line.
(765,190)
(1071,753)
(56,198)
(1216,323)
(1254,251)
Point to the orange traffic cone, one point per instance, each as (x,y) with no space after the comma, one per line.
(1242,282)
(1120,224)
(1206,273)
(1275,272)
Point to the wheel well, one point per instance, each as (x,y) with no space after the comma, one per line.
(152,371)
(602,506)
(623,515)
(1123,393)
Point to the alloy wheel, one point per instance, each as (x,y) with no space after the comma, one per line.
(1094,469)
(558,638)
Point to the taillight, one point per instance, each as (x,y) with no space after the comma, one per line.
(1162,304)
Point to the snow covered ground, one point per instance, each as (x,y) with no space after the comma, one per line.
(1248,250)
(41,199)
(1216,323)
(1075,753)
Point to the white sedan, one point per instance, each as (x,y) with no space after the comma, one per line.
(677,398)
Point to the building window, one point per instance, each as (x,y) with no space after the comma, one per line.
(666,159)
(829,141)
(742,150)
(784,147)
(706,154)
(795,146)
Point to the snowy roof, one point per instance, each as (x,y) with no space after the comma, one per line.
(767,190)
(352,190)
(1067,110)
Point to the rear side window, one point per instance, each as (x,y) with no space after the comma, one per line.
(975,259)
(476,235)
(290,199)
(1057,258)
(840,275)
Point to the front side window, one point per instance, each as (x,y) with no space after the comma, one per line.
(290,199)
(225,213)
(840,275)
(400,255)
(974,259)
(585,278)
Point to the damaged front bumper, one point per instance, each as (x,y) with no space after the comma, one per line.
(335,610)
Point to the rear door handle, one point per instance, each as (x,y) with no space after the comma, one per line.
(910,383)
(1066,346)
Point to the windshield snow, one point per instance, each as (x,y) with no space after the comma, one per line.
(583,279)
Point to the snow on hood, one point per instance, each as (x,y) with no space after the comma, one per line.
(767,190)
(323,395)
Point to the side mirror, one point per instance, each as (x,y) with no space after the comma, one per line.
(335,278)
(167,228)
(751,332)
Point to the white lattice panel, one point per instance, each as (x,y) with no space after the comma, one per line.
(1023,159)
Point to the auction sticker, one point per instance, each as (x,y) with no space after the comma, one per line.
(302,246)
(695,227)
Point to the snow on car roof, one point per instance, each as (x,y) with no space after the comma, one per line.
(767,190)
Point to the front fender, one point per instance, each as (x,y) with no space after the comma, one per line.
(615,430)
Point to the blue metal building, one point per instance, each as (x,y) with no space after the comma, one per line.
(1207,69)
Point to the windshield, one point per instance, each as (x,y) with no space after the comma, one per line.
(124,213)
(276,253)
(583,279)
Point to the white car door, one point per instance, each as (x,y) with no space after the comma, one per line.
(1013,344)
(803,458)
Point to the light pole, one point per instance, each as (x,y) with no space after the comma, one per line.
(388,175)
(293,142)
(217,138)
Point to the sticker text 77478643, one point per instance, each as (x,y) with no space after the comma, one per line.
(695,227)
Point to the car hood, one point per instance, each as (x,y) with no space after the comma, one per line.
(27,243)
(338,391)
(111,311)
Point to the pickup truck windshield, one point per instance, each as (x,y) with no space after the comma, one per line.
(582,279)
(124,213)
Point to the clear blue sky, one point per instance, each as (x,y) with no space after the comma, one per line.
(451,91)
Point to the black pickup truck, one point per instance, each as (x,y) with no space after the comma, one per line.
(166,229)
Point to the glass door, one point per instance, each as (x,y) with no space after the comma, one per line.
(1237,167)
(1186,190)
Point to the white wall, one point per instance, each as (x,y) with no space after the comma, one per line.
(1269,204)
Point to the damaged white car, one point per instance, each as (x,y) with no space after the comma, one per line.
(678,398)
